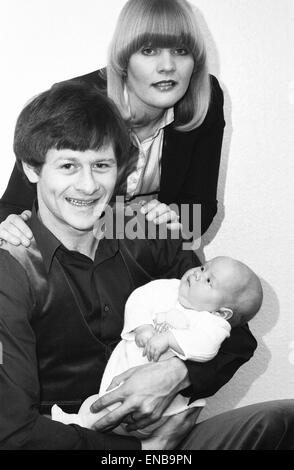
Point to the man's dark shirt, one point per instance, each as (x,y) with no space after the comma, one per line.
(80,271)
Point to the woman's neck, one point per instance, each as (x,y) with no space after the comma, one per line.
(145,119)
(146,125)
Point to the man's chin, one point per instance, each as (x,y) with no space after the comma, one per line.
(81,226)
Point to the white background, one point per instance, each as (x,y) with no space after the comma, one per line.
(251,49)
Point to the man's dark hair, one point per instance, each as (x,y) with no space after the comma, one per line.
(76,116)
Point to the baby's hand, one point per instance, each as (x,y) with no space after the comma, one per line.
(156,346)
(143,334)
(161,327)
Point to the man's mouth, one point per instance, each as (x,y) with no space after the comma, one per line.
(165,85)
(81,202)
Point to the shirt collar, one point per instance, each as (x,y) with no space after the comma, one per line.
(168,117)
(48,243)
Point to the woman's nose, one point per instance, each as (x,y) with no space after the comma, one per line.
(166,62)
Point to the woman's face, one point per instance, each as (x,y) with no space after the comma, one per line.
(158,77)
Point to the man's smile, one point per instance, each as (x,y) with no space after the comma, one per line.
(81,202)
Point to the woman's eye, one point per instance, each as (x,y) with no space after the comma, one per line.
(208,280)
(202,268)
(181,51)
(148,51)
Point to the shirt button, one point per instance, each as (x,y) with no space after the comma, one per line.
(106,308)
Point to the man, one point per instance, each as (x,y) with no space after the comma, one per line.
(62,299)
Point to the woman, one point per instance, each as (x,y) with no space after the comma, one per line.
(157,76)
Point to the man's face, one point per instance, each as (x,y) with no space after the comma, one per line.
(74,187)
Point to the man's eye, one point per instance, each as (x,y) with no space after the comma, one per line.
(67,166)
(101,166)
(208,280)
(202,268)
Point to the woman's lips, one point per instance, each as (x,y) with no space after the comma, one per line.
(164,85)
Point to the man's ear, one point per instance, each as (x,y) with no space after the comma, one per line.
(30,173)
(225,312)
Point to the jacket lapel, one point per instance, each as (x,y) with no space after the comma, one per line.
(176,157)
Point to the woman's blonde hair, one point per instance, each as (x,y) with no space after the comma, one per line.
(160,23)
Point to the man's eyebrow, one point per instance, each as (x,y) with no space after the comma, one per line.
(105,158)
(72,159)
(78,159)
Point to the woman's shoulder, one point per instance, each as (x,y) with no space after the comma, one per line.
(217,95)
(96,78)
(214,115)
(215,112)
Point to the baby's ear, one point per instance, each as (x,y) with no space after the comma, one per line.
(225,312)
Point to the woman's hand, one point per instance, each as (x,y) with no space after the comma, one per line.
(159,213)
(14,229)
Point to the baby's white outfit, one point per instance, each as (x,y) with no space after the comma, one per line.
(199,335)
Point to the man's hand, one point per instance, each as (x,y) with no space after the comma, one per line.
(156,346)
(145,393)
(172,432)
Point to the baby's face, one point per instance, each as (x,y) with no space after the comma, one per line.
(211,286)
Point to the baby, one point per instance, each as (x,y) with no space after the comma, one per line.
(189,318)
(212,298)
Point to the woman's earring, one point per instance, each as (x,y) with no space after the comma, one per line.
(127,99)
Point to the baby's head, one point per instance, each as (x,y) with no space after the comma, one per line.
(223,286)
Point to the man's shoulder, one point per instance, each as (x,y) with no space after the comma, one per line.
(10,266)
(8,250)
(19,259)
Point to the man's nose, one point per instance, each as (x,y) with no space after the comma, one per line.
(166,62)
(86,183)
